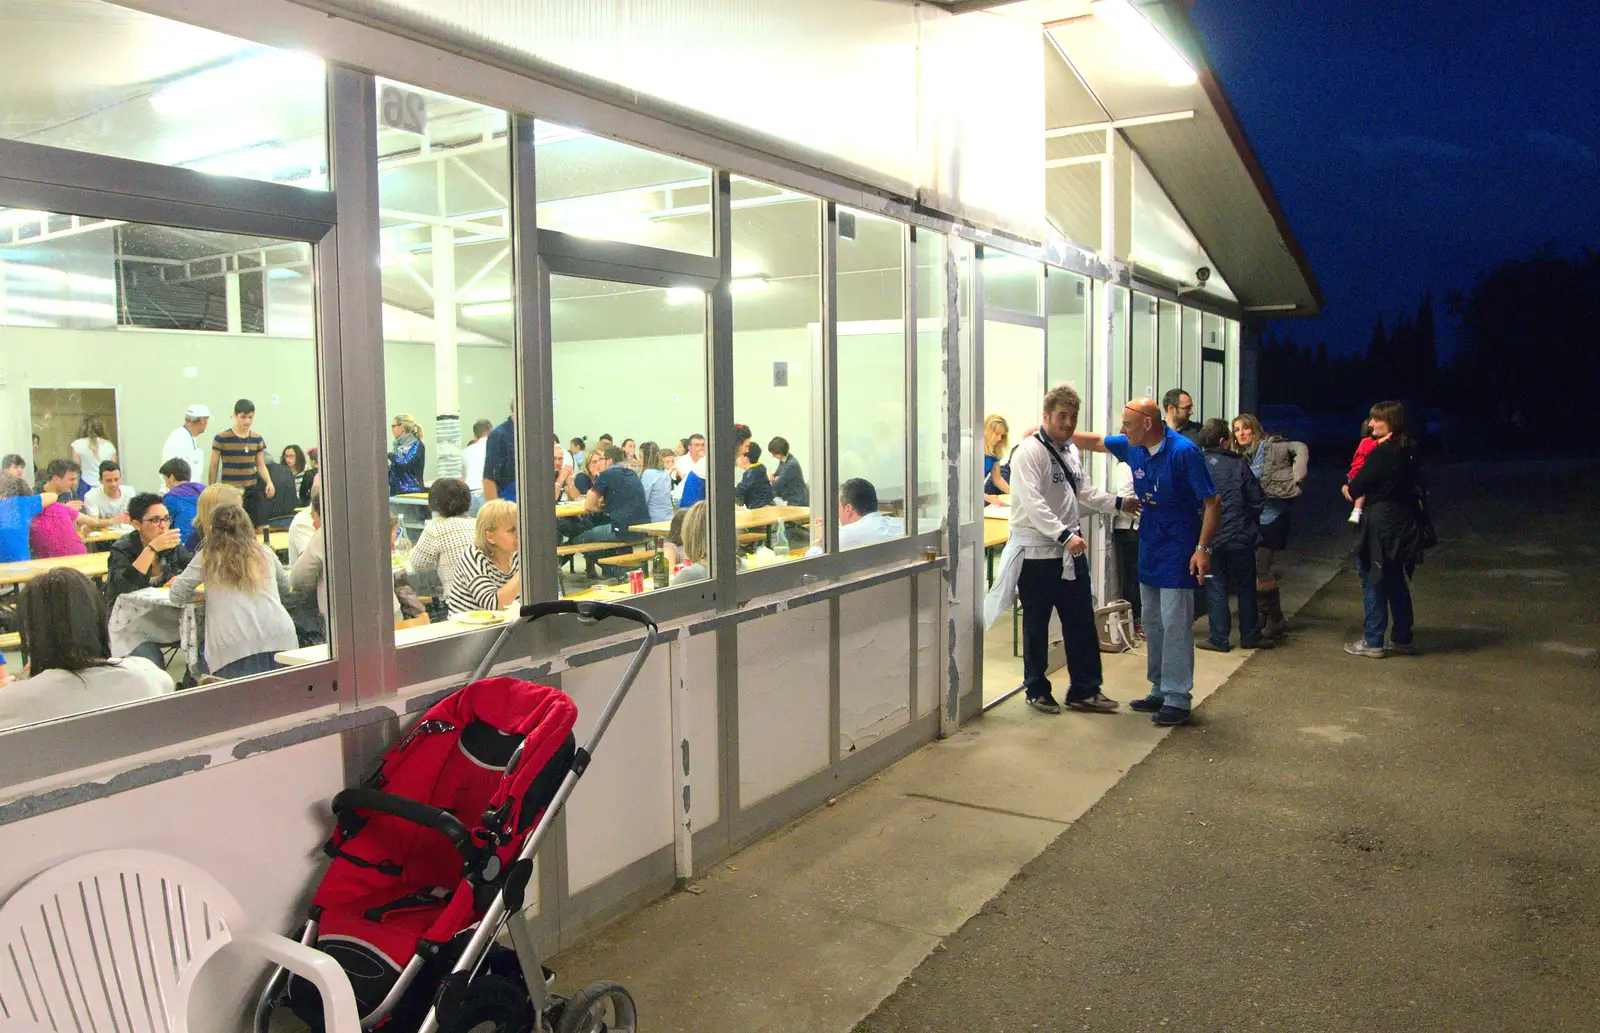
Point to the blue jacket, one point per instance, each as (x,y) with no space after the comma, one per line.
(1242,499)
(180,503)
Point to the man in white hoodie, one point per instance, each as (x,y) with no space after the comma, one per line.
(1044,563)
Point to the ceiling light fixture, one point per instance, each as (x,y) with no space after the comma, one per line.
(1136,29)
(488,309)
(684,295)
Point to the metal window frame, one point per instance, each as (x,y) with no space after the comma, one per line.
(74,182)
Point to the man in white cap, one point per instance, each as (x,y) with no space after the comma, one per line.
(184,443)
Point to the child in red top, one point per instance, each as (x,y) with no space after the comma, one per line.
(1368,443)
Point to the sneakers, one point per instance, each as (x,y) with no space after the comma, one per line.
(1399,649)
(1211,646)
(1148,705)
(1170,717)
(1260,643)
(1355,515)
(1096,704)
(1360,648)
(1044,704)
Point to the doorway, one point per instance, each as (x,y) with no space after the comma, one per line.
(57,414)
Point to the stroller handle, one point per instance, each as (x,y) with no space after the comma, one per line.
(587,609)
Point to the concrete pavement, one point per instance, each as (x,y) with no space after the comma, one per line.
(1338,843)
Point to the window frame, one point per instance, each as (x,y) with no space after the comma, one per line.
(45,178)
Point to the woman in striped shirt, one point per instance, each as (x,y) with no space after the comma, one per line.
(489,575)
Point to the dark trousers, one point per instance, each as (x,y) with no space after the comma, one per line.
(1233,571)
(1127,539)
(1043,591)
(1386,597)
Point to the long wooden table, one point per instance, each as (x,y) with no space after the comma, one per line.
(743,520)
(91,565)
(402,637)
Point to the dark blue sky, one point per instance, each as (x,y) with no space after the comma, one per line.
(1414,143)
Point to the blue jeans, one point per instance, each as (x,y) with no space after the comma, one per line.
(1169,644)
(245,666)
(1233,571)
(1385,595)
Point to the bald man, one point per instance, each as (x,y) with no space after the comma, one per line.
(1179,516)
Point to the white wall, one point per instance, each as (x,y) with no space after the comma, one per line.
(1013,375)
(872,410)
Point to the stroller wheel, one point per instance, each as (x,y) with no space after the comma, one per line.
(602,1007)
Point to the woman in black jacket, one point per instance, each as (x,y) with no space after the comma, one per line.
(1391,539)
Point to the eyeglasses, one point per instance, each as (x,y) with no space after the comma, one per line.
(158,520)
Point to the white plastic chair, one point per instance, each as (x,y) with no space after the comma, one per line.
(115,941)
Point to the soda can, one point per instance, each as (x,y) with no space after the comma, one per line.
(635,582)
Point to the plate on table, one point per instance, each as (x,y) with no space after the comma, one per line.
(482,617)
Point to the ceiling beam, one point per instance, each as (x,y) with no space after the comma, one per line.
(1119,123)
(964,6)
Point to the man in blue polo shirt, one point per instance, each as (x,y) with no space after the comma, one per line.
(500,460)
(1178,519)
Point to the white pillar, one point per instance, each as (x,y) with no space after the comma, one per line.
(446,379)
(235,309)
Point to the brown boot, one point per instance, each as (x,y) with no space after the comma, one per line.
(1272,613)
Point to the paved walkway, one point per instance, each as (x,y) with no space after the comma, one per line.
(1341,844)
(813,927)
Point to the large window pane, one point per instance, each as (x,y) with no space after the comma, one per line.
(127,428)
(449,358)
(777,369)
(1119,351)
(1230,406)
(872,377)
(932,417)
(1068,348)
(1210,402)
(1190,381)
(1010,282)
(1013,386)
(1169,344)
(593,187)
(1142,323)
(629,362)
(98,77)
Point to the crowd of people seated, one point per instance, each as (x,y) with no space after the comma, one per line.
(200,535)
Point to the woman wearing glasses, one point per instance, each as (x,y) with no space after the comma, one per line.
(149,556)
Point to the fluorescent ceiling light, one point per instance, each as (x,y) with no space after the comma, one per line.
(488,309)
(1136,29)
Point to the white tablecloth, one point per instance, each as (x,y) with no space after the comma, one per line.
(150,615)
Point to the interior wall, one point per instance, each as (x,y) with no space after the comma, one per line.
(1013,375)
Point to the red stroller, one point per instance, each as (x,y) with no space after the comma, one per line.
(432,855)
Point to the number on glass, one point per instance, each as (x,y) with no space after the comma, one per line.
(403,110)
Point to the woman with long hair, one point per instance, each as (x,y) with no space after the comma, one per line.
(408,456)
(294,457)
(91,449)
(1281,468)
(489,575)
(656,481)
(996,447)
(245,585)
(696,545)
(214,496)
(62,620)
(1392,535)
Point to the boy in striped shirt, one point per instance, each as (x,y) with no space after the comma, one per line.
(240,455)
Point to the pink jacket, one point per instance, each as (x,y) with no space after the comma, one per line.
(55,533)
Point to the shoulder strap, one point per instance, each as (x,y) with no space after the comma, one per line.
(1056,456)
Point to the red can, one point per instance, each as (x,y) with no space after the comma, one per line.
(635,582)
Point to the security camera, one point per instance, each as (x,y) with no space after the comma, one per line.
(1203,274)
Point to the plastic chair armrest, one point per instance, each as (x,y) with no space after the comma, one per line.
(339,1014)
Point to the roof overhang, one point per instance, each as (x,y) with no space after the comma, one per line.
(1204,162)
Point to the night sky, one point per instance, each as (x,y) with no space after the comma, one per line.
(1414,143)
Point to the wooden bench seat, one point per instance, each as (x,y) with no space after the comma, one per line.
(631,559)
(11,640)
(574,549)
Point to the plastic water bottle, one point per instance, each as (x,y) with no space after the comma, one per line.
(780,541)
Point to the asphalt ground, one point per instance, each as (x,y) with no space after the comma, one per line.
(1338,843)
